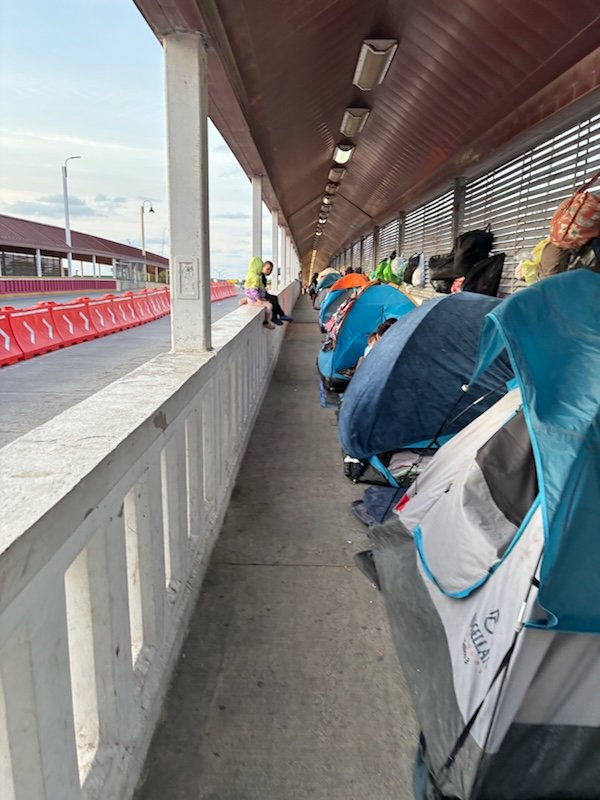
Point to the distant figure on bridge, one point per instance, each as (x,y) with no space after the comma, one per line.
(279,315)
(255,292)
(312,288)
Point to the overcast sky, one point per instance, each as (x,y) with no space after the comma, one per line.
(85,77)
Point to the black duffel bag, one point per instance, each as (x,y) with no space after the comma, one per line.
(469,248)
(484,277)
(442,267)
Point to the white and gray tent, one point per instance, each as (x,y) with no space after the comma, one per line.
(490,568)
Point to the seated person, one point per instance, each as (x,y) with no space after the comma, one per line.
(279,316)
(254,291)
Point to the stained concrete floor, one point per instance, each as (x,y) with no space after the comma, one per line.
(288,687)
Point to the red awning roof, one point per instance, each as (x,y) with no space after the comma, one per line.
(23,234)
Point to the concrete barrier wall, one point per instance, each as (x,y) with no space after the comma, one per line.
(110,512)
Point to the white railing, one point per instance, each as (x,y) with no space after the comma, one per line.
(109,515)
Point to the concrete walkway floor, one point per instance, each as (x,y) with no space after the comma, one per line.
(288,687)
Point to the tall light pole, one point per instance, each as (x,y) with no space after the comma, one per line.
(142,212)
(67,222)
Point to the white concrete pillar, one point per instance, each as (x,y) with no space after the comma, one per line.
(38,262)
(289,260)
(187,167)
(275,249)
(114,268)
(284,257)
(256,216)
(94,266)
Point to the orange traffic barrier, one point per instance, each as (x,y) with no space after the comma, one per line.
(10,352)
(124,311)
(219,291)
(102,314)
(26,332)
(34,330)
(140,303)
(72,320)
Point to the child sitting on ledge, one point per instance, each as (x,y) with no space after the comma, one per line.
(254,291)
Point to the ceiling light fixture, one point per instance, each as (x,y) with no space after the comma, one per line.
(331,188)
(336,174)
(328,199)
(322,220)
(319,233)
(343,153)
(373,62)
(353,121)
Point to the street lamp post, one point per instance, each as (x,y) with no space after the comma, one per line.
(142,212)
(67,221)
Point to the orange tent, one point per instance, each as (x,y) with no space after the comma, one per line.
(350,281)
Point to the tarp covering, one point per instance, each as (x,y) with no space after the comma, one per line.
(551,332)
(374,304)
(410,384)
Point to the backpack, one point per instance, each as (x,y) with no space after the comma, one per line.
(577,219)
(471,247)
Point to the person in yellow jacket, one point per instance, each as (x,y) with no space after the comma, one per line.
(255,292)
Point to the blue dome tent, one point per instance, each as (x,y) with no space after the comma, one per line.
(490,566)
(373,305)
(410,385)
(332,302)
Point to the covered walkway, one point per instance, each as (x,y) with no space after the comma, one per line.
(288,685)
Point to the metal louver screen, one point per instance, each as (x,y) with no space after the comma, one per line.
(428,229)
(519,198)
(356,255)
(388,240)
(367,254)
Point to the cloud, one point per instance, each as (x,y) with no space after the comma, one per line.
(231,215)
(234,172)
(108,205)
(220,148)
(51,205)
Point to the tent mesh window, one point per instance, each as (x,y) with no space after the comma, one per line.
(428,229)
(519,198)
(388,240)
(367,254)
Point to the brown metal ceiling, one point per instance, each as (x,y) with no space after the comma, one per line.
(468,77)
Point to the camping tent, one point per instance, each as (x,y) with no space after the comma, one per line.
(351,281)
(324,286)
(327,281)
(492,618)
(332,302)
(410,385)
(373,305)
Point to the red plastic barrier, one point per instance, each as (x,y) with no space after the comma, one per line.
(219,291)
(10,352)
(73,321)
(124,311)
(142,308)
(103,315)
(159,301)
(34,330)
